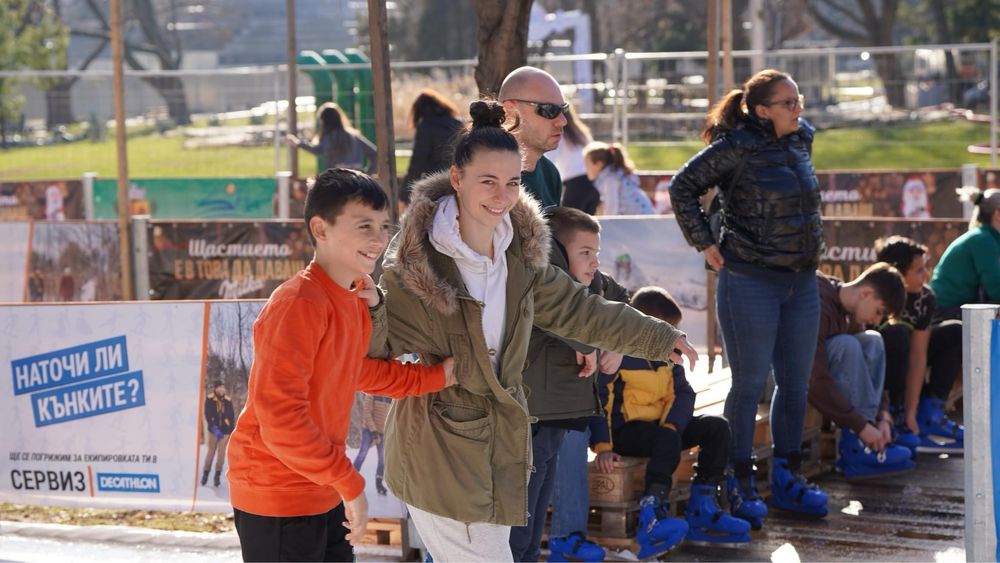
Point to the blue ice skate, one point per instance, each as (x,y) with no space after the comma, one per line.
(710,524)
(744,502)
(857,461)
(790,491)
(575,547)
(938,433)
(658,531)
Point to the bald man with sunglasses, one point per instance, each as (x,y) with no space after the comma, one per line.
(536,109)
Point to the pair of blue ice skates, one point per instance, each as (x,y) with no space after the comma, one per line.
(857,461)
(938,433)
(704,522)
(790,491)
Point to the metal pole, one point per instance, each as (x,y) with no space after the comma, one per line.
(140,234)
(117,53)
(284,193)
(980,530)
(726,31)
(293,118)
(378,29)
(276,84)
(993,102)
(711,71)
(88,195)
(624,99)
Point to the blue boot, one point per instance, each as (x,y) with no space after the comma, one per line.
(658,531)
(575,547)
(744,502)
(709,523)
(790,491)
(857,461)
(938,433)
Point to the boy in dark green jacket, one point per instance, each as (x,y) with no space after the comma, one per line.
(563,393)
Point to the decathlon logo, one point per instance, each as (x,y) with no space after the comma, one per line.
(128,482)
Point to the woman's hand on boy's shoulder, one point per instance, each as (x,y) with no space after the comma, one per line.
(683,349)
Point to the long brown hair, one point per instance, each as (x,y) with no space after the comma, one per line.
(576,131)
(727,114)
(430,103)
(613,155)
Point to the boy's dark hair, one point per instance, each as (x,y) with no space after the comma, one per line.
(657,302)
(486,132)
(888,285)
(334,188)
(898,251)
(565,221)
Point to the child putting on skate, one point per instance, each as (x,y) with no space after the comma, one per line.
(650,413)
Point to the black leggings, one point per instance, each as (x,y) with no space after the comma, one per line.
(944,358)
(321,537)
(663,447)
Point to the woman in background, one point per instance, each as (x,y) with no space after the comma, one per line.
(578,191)
(338,143)
(435,120)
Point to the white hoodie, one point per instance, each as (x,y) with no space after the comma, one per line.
(485,279)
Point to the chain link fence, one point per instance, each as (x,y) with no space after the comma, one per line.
(230,121)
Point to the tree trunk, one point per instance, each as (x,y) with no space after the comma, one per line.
(59,104)
(503,41)
(887,66)
(171,89)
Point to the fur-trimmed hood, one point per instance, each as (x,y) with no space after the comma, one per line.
(418,263)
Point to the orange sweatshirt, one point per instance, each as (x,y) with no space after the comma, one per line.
(287,455)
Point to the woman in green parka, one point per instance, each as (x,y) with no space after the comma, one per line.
(467,276)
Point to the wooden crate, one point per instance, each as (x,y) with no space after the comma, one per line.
(625,484)
(384,532)
(614,520)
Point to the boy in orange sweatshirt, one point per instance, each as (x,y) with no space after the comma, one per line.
(296,496)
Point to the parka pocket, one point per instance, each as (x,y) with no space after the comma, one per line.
(466,421)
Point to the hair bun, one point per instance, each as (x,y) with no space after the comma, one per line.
(486,114)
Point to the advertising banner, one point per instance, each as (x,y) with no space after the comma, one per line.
(13,260)
(132,405)
(189,198)
(224,260)
(850,243)
(918,194)
(100,404)
(50,200)
(74,261)
(640,251)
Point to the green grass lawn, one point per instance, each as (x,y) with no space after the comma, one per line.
(935,145)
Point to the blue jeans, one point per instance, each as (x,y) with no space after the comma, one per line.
(571,493)
(367,438)
(857,364)
(767,323)
(526,541)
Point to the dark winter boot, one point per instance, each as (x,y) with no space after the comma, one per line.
(204,478)
(379,487)
(218,478)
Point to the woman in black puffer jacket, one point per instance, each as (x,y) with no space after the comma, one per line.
(766,252)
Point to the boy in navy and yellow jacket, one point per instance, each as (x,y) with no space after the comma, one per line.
(650,413)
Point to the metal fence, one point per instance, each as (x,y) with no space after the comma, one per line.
(629,97)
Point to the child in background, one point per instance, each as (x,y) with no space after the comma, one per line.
(650,413)
(612,173)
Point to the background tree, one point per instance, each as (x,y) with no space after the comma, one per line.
(150,28)
(866,23)
(503,40)
(31,37)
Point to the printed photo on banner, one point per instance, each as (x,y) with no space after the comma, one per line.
(74,261)
(91,412)
(640,251)
(227,370)
(13,261)
(52,200)
(239,260)
(366,449)
(920,194)
(850,243)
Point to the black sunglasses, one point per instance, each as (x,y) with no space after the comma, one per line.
(546,110)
